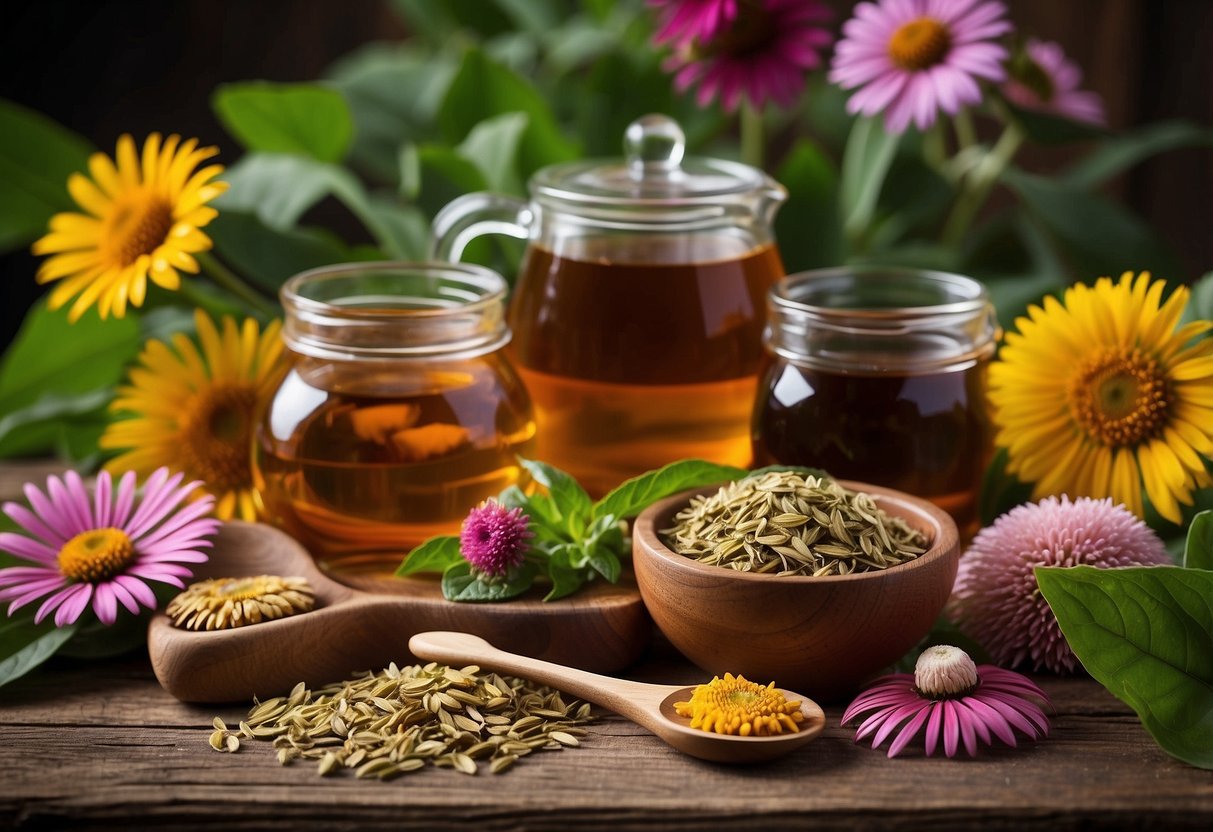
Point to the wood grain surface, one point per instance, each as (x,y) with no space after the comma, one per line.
(103,746)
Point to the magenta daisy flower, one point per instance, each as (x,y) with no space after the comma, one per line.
(105,548)
(1043,78)
(495,539)
(763,52)
(996,601)
(683,21)
(950,699)
(912,58)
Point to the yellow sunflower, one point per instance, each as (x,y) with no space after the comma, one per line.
(141,221)
(1100,393)
(193,410)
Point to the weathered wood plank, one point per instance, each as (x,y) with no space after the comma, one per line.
(102,745)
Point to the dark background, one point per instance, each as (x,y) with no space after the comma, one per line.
(104,68)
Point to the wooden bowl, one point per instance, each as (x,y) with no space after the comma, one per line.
(821,636)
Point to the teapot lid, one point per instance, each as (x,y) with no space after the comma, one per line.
(655,175)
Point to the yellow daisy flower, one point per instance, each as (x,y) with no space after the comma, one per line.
(1100,393)
(141,221)
(194,410)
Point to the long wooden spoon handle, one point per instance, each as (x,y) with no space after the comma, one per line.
(630,699)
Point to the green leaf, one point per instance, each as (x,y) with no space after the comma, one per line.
(565,581)
(279,188)
(458,584)
(493,146)
(812,184)
(433,175)
(638,493)
(36,158)
(1000,491)
(1099,236)
(569,497)
(394,92)
(1144,634)
(1119,153)
(1198,550)
(36,427)
(484,88)
(269,256)
(434,555)
(24,645)
(53,357)
(303,119)
(1200,303)
(865,164)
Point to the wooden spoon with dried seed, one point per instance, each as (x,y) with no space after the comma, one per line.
(650,706)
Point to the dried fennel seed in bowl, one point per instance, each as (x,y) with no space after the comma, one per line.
(787,524)
(399,720)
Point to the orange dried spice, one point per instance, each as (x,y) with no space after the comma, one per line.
(735,705)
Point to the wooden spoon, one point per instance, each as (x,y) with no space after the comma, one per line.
(603,627)
(650,706)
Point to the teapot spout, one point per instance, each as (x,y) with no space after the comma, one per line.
(769,200)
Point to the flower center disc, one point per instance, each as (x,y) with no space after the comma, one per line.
(138,226)
(96,555)
(218,437)
(1120,397)
(752,32)
(920,44)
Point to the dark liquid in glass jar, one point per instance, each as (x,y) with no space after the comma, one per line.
(637,353)
(924,434)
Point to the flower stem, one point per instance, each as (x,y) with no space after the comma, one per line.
(228,280)
(980,182)
(966,136)
(752,140)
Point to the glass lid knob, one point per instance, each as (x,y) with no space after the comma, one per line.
(653,144)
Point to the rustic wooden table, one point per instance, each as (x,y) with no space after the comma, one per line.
(100,744)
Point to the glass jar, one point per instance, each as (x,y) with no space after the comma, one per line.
(879,375)
(399,411)
(639,306)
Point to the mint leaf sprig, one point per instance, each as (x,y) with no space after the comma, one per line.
(574,540)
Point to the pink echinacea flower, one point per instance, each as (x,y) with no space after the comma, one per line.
(1044,79)
(105,548)
(495,539)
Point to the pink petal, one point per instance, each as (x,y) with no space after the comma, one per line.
(80,499)
(934,727)
(49,605)
(74,604)
(896,718)
(103,507)
(159,498)
(20,574)
(126,499)
(993,720)
(965,719)
(138,589)
(184,517)
(125,598)
(59,519)
(76,518)
(951,728)
(30,592)
(105,604)
(27,547)
(33,524)
(908,732)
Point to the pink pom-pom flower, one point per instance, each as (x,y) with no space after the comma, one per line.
(494,539)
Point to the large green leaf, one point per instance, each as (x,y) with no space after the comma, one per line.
(432,175)
(38,427)
(304,119)
(1198,549)
(484,88)
(808,227)
(36,158)
(493,147)
(570,498)
(869,154)
(268,256)
(1144,633)
(1119,153)
(434,555)
(638,493)
(394,93)
(458,584)
(51,357)
(24,645)
(280,188)
(1100,237)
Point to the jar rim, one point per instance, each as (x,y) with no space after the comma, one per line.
(974,295)
(493,284)
(453,310)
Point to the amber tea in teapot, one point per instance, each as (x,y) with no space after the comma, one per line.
(643,358)
(639,307)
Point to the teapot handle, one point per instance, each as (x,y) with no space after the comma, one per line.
(466,218)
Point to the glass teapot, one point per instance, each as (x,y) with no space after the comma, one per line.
(639,307)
